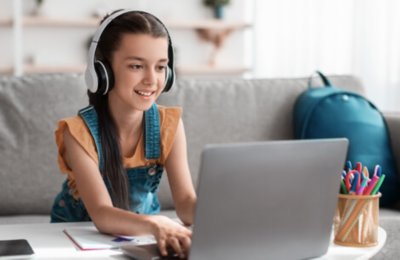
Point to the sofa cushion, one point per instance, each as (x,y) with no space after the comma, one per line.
(23,219)
(29,109)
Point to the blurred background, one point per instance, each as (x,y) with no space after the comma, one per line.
(222,38)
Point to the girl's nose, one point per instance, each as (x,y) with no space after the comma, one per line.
(150,78)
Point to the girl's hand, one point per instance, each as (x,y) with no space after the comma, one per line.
(169,233)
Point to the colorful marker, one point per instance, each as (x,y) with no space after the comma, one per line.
(378,185)
(378,170)
(366,172)
(359,167)
(371,185)
(349,167)
(347,180)
(355,182)
(344,190)
(363,185)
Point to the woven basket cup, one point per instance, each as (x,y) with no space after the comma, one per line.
(356,220)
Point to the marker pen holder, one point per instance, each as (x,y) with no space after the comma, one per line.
(356,220)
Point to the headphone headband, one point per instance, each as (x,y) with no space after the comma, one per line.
(91,77)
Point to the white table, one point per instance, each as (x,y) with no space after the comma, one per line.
(354,253)
(49,242)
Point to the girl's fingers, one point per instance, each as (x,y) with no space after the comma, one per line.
(162,246)
(185,244)
(171,235)
(174,243)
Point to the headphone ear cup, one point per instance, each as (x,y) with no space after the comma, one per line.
(105,77)
(169,79)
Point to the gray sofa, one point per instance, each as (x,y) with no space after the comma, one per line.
(215,111)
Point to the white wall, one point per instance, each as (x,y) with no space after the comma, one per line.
(358,37)
(55,46)
(6,41)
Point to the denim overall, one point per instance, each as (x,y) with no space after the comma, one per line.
(143,181)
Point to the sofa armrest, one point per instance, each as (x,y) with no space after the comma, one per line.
(393,122)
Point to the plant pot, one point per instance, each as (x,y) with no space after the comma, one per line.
(219,11)
(39,10)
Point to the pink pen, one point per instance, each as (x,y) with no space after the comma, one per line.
(371,185)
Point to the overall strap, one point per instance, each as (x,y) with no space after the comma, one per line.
(89,116)
(152,133)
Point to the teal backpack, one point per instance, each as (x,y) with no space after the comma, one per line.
(329,112)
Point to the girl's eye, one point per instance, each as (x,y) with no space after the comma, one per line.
(161,68)
(135,66)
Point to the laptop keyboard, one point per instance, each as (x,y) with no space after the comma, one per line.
(149,251)
(171,256)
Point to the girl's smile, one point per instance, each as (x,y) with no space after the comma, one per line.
(144,93)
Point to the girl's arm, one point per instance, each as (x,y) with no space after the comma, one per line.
(111,220)
(94,194)
(180,179)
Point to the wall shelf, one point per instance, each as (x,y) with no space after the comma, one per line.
(42,21)
(8,70)
(211,70)
(207,24)
(30,69)
(6,22)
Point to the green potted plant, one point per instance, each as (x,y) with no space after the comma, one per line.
(217,6)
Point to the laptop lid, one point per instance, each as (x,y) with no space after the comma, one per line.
(267,200)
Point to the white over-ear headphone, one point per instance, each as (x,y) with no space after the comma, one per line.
(98,75)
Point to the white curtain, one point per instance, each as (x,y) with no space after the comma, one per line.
(292,38)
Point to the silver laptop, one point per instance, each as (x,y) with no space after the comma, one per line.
(265,200)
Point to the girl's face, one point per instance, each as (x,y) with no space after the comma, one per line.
(139,66)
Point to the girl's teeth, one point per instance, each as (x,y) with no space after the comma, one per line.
(144,93)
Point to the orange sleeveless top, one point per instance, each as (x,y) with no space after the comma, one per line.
(169,119)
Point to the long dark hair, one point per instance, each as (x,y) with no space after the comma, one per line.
(113,171)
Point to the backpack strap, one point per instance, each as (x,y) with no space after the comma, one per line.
(325,80)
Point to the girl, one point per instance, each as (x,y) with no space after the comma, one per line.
(114,151)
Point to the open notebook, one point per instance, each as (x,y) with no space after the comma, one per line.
(89,238)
